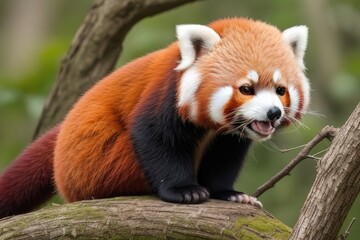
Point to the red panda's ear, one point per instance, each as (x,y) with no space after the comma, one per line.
(297,38)
(190,37)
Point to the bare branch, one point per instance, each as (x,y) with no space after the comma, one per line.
(347,231)
(326,132)
(285,150)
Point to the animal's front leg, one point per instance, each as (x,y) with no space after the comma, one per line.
(220,167)
(165,153)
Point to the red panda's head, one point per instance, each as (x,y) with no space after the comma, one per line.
(242,76)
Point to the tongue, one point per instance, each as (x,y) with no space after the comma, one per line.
(264,128)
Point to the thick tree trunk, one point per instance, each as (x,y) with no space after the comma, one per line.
(95,50)
(336,186)
(144,218)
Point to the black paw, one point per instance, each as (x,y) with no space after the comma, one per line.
(187,194)
(234,196)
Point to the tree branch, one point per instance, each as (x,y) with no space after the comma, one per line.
(145,218)
(336,185)
(347,231)
(95,50)
(327,132)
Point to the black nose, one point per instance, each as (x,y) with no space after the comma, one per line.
(274,113)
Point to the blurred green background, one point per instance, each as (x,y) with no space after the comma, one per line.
(36,34)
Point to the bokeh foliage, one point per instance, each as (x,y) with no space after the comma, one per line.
(335,79)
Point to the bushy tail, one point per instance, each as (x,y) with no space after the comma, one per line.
(28,181)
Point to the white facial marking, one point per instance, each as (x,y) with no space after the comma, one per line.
(253,76)
(306,92)
(218,102)
(294,101)
(257,109)
(260,104)
(277,76)
(186,35)
(295,97)
(189,84)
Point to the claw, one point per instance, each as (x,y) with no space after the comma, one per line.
(235,196)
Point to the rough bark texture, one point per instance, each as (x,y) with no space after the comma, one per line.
(336,185)
(144,218)
(95,50)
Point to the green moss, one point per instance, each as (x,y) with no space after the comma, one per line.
(260,227)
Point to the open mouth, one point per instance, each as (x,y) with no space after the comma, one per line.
(262,128)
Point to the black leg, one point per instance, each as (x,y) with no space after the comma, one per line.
(164,145)
(168,164)
(221,165)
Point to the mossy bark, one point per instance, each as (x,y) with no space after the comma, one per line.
(144,218)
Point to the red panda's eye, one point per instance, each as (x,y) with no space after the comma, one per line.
(247,90)
(280,91)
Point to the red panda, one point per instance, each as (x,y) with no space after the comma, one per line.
(177,122)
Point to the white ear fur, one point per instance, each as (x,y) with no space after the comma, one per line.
(187,35)
(297,38)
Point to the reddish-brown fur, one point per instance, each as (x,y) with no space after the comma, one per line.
(28,181)
(269,53)
(94,155)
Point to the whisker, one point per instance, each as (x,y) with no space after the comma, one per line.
(268,146)
(272,144)
(296,121)
(242,123)
(308,112)
(225,126)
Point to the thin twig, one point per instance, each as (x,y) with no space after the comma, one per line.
(327,132)
(285,150)
(347,231)
(320,152)
(313,157)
